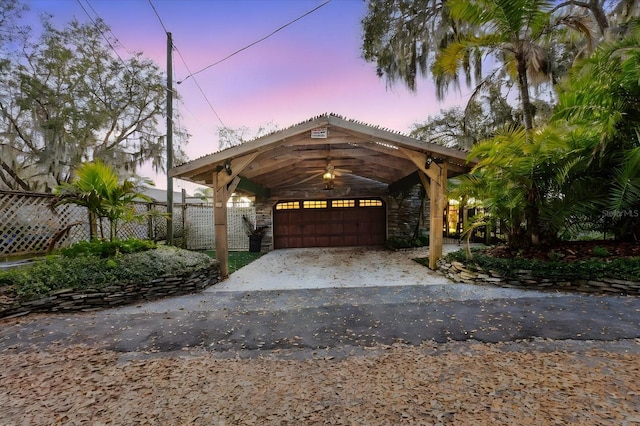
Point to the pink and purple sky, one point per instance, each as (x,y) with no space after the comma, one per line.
(311,67)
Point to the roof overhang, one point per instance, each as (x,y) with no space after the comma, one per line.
(296,158)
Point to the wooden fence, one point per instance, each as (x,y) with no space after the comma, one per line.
(30,223)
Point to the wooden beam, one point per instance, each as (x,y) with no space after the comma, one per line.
(373,133)
(254,188)
(420,161)
(237,165)
(425,183)
(220,198)
(231,188)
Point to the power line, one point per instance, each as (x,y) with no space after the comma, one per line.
(158,16)
(200,89)
(187,67)
(255,42)
(102,34)
(117,40)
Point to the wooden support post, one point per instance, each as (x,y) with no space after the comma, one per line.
(436,204)
(220,197)
(436,189)
(225,182)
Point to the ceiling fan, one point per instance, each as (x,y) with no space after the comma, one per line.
(328,173)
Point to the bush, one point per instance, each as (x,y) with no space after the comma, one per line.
(600,251)
(621,268)
(93,271)
(106,249)
(402,243)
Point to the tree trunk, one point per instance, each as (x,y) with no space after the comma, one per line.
(532,214)
(523,86)
(93,226)
(599,15)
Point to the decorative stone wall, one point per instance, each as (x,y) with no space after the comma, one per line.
(472,274)
(264,217)
(403,213)
(68,300)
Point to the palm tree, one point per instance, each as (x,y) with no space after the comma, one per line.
(601,101)
(91,186)
(507,29)
(514,177)
(96,187)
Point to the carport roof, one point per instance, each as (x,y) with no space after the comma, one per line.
(293,156)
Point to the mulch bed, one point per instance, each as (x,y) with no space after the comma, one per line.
(479,384)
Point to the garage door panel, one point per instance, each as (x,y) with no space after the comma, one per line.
(329,226)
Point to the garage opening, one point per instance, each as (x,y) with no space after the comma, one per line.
(329,223)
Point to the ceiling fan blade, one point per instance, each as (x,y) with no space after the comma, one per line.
(340,172)
(304,180)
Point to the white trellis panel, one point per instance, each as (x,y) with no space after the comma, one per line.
(200,234)
(198,226)
(237,231)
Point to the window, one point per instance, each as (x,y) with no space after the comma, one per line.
(370,203)
(343,203)
(314,204)
(289,205)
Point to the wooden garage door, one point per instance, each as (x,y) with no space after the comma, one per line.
(329,223)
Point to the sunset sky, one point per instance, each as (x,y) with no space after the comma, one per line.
(311,67)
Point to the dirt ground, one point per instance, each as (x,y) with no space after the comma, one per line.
(527,382)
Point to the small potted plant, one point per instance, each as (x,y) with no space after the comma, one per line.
(255,234)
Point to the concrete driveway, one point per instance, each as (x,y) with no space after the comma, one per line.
(333,268)
(332,298)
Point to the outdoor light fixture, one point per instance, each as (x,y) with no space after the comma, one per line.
(428,162)
(227,167)
(431,159)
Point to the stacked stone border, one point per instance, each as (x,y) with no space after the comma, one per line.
(473,274)
(69,300)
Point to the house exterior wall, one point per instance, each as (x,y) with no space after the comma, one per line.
(405,215)
(403,210)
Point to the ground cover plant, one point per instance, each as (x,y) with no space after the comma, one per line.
(572,260)
(90,266)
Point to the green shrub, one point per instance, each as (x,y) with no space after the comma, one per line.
(623,268)
(402,243)
(600,251)
(106,249)
(92,271)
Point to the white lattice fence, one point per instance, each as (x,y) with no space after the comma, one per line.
(237,232)
(29,223)
(199,229)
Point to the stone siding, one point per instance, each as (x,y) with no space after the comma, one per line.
(68,300)
(403,213)
(472,274)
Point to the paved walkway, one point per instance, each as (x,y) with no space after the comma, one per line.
(347,307)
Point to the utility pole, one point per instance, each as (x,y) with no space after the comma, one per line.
(169,138)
